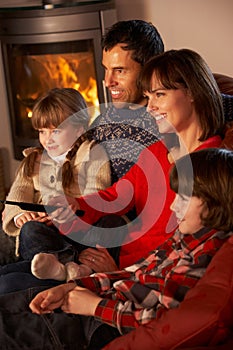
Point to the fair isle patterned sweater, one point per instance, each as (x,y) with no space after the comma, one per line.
(124,133)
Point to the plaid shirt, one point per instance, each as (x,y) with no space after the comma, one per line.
(133,296)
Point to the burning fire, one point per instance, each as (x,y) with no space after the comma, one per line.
(44,72)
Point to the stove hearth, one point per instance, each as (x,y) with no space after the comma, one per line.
(43,48)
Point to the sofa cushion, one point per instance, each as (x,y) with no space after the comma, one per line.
(227,101)
(227,142)
(225,83)
(204,318)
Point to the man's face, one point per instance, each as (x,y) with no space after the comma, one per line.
(121,73)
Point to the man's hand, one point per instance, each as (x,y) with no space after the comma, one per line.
(81,301)
(99,259)
(50,299)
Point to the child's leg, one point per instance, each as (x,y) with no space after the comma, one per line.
(18,266)
(75,271)
(36,237)
(22,329)
(47,266)
(46,249)
(107,232)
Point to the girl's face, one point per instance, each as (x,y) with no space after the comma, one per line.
(188,211)
(172,109)
(57,141)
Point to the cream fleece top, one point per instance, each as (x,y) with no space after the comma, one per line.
(91,169)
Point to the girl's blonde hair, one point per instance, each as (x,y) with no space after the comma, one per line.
(58,105)
(52,110)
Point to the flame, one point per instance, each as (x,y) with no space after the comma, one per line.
(74,70)
(29,113)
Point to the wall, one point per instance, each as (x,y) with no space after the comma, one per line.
(6,147)
(202,25)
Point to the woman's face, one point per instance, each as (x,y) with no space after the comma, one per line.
(57,141)
(188,211)
(172,109)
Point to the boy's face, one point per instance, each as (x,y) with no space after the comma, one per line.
(188,211)
(121,73)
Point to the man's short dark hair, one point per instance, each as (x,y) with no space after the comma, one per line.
(139,36)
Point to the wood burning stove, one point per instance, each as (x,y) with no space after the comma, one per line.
(46,47)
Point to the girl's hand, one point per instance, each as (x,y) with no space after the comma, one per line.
(50,299)
(29,216)
(25,217)
(81,301)
(45,218)
(67,212)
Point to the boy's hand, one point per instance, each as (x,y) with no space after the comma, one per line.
(81,301)
(50,299)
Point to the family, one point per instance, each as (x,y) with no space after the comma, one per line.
(155,187)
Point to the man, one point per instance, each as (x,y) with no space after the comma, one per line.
(125,127)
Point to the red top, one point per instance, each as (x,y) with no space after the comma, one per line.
(145,186)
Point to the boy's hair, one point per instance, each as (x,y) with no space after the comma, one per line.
(186,68)
(208,175)
(138,36)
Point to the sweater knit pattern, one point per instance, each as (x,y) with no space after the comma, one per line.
(124,134)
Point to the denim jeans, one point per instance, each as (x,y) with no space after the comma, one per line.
(36,237)
(17,276)
(21,329)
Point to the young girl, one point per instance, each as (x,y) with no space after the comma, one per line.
(68,161)
(123,300)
